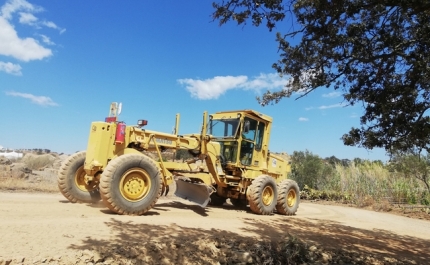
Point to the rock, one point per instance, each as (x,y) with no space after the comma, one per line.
(97,257)
(313,248)
(247,258)
(326,258)
(242,246)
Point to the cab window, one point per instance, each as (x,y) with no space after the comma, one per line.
(260,135)
(251,126)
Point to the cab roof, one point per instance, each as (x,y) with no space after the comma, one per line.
(248,112)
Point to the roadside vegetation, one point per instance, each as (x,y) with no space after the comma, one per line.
(404,180)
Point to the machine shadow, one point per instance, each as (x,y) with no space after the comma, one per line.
(151,243)
(179,205)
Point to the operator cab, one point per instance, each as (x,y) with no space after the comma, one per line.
(241,136)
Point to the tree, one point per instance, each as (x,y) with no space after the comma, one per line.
(413,165)
(332,160)
(309,169)
(377,52)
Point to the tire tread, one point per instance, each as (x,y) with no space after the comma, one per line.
(254,195)
(106,185)
(283,188)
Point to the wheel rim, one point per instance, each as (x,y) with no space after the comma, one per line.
(291,198)
(81,183)
(135,184)
(268,195)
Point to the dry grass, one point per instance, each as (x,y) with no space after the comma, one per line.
(369,185)
(37,162)
(19,184)
(382,206)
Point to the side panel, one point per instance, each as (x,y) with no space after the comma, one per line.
(278,166)
(101,145)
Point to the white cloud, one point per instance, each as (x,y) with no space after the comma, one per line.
(22,49)
(309,108)
(27,18)
(11,44)
(39,100)
(339,105)
(50,24)
(303,119)
(46,39)
(333,94)
(12,6)
(265,81)
(10,68)
(212,88)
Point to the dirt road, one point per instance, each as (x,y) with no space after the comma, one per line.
(40,227)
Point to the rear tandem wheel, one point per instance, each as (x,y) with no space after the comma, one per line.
(288,198)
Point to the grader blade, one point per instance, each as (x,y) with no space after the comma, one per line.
(198,193)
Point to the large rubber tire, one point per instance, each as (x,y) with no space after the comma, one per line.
(216,200)
(262,195)
(131,184)
(71,181)
(288,198)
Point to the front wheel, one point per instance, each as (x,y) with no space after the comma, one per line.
(131,184)
(289,197)
(262,194)
(72,181)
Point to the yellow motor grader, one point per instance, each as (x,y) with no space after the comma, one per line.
(229,159)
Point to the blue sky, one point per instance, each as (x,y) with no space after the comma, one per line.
(63,62)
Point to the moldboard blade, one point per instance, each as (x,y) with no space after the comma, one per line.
(195,192)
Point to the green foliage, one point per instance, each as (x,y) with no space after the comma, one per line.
(413,166)
(309,169)
(376,52)
(360,182)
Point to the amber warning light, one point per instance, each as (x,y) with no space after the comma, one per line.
(142,123)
